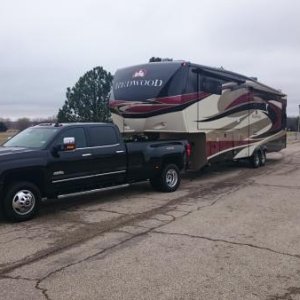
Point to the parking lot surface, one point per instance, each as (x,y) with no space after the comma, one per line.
(229,232)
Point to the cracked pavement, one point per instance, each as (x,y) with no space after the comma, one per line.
(229,232)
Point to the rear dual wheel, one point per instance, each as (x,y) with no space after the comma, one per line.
(168,180)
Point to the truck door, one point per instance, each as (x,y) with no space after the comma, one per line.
(69,171)
(109,154)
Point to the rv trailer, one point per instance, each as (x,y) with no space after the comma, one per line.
(224,115)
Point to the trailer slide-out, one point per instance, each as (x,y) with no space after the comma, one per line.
(224,115)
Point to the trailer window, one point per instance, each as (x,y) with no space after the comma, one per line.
(146,82)
(202,83)
(210,85)
(192,84)
(175,85)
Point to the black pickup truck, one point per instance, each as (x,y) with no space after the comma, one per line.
(61,160)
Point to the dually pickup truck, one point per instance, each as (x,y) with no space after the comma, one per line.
(61,160)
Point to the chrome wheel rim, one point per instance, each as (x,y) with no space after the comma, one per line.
(23,202)
(256,159)
(171,178)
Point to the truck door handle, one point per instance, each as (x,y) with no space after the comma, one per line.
(120,151)
(86,154)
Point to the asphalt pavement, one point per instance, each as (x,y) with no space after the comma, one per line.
(229,232)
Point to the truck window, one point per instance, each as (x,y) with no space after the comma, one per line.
(32,138)
(104,135)
(77,133)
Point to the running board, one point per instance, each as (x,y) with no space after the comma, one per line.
(92,191)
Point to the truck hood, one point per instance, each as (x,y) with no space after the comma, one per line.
(12,153)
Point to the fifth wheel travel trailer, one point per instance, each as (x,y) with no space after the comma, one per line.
(224,115)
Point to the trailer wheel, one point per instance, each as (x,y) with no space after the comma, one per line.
(168,180)
(254,159)
(262,157)
(21,201)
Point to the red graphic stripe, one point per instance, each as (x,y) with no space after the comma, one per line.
(213,147)
(240,100)
(146,108)
(116,103)
(156,104)
(182,99)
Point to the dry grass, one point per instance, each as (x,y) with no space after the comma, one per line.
(4,135)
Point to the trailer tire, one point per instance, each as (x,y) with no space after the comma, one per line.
(168,180)
(254,159)
(262,158)
(21,201)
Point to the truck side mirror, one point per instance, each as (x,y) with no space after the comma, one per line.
(69,144)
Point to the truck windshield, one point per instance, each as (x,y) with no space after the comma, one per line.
(149,81)
(36,138)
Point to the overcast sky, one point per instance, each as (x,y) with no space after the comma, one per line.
(45,46)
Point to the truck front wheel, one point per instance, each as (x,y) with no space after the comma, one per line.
(21,201)
(168,180)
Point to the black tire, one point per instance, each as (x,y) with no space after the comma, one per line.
(168,180)
(21,201)
(262,158)
(254,159)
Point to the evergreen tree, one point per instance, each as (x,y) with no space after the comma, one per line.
(87,101)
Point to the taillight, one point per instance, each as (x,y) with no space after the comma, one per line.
(188,150)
